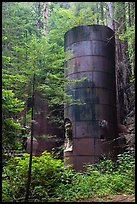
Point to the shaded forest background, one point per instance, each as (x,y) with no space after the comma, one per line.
(33,42)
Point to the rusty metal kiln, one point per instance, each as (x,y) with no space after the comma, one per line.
(94,121)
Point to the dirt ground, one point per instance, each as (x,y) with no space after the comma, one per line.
(113,198)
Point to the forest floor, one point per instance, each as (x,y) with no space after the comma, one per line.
(112,198)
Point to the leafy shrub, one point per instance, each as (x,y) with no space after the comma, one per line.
(103,166)
(51,181)
(100,179)
(118,177)
(47,174)
(6,191)
(11,106)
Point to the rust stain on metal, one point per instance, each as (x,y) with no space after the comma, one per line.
(93,48)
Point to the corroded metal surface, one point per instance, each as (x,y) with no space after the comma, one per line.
(92,61)
(94,48)
(42,126)
(88,33)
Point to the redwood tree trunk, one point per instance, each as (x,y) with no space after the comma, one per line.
(123,69)
(110,19)
(45,14)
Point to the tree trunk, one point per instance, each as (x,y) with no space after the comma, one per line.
(132,12)
(123,69)
(129,14)
(45,14)
(97,13)
(31,145)
(110,9)
(102,11)
(39,23)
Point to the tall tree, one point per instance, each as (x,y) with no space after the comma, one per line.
(123,66)
(38,9)
(102,11)
(45,14)
(31,144)
(110,18)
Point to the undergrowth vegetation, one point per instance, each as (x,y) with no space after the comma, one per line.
(51,181)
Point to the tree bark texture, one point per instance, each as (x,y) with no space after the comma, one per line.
(123,68)
(31,146)
(102,11)
(45,14)
(110,10)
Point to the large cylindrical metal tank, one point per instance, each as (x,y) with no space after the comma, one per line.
(94,121)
